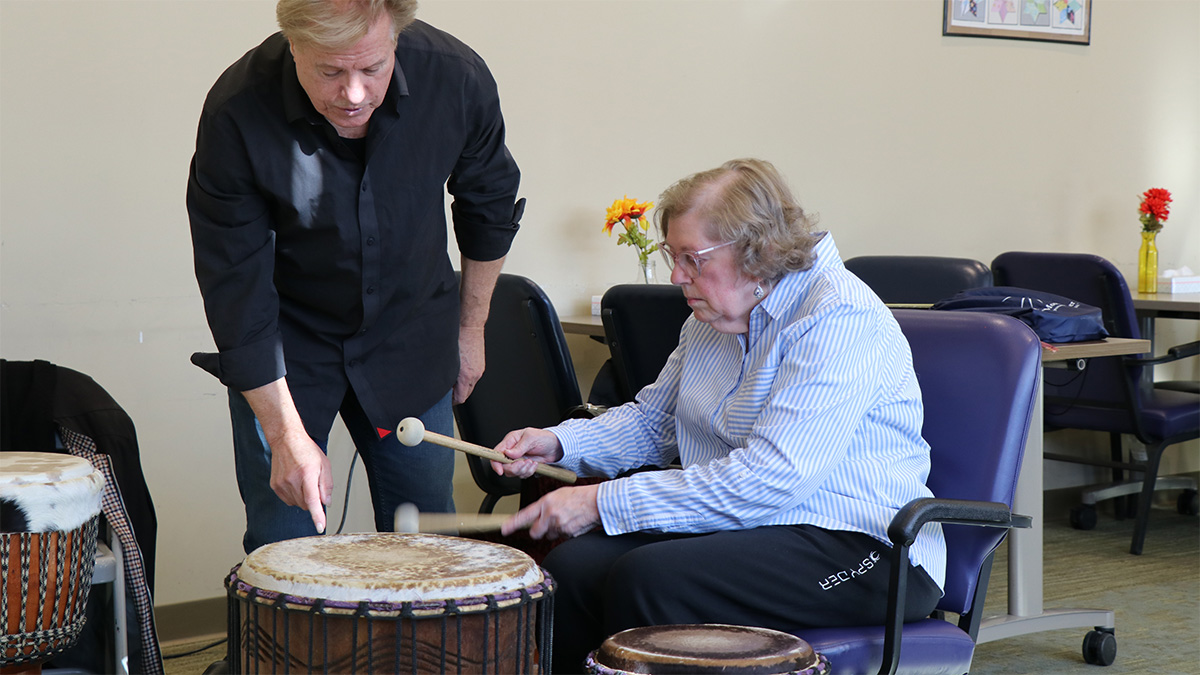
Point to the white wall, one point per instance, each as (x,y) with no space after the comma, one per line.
(903,140)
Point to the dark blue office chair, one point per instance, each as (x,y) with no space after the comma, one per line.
(641,325)
(1109,395)
(976,427)
(902,279)
(529,380)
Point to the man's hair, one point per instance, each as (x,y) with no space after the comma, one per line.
(334,24)
(749,202)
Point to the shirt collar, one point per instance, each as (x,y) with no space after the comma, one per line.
(791,286)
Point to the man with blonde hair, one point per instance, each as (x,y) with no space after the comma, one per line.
(316,204)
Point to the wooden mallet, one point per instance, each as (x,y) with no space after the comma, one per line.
(411,431)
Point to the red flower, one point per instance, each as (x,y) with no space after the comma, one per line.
(1155,208)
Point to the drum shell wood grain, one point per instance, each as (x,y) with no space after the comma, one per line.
(293,639)
(272,630)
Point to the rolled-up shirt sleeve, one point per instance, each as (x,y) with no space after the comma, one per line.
(234,254)
(485,178)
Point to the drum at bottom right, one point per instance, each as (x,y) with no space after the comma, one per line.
(698,649)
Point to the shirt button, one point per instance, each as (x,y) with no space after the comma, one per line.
(370,290)
(370,241)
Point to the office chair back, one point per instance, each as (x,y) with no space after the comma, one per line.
(641,324)
(1092,280)
(1110,395)
(529,380)
(978,377)
(918,279)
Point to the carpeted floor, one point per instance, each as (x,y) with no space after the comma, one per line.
(1156,598)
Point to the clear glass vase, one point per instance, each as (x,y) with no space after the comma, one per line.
(647,272)
(1148,264)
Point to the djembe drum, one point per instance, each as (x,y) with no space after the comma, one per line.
(698,649)
(47,550)
(394,603)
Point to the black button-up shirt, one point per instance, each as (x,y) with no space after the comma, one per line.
(332,271)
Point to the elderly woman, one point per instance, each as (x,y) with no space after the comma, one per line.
(791,405)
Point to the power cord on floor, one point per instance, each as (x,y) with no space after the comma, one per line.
(194,651)
(346,502)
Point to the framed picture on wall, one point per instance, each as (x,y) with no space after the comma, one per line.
(1047,20)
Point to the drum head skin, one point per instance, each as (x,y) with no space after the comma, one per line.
(705,648)
(391,568)
(48,491)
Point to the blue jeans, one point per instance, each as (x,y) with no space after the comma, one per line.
(396,474)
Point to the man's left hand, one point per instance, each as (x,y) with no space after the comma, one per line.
(471,362)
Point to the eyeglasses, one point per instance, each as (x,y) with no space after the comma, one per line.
(689,262)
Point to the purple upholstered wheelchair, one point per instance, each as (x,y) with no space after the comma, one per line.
(978,375)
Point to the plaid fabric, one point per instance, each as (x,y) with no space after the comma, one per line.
(113,508)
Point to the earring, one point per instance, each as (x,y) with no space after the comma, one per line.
(758,291)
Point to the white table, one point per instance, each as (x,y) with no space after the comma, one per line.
(583,324)
(1152,306)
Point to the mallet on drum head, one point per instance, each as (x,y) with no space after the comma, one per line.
(411,431)
(408,519)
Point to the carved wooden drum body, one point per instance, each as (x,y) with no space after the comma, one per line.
(50,505)
(389,603)
(698,649)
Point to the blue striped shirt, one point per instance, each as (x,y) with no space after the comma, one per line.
(813,417)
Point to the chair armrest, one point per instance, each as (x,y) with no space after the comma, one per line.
(903,532)
(913,515)
(1183,351)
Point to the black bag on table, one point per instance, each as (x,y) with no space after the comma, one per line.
(1054,318)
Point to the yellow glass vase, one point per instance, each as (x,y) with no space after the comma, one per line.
(1148,264)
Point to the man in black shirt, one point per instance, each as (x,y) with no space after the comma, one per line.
(316,200)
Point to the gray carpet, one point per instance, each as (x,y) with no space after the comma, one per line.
(1156,598)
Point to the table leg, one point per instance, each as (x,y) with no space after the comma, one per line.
(1026,613)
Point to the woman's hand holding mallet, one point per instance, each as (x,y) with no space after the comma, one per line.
(411,431)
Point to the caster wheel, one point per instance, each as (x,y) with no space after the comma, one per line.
(1188,503)
(1100,648)
(1083,517)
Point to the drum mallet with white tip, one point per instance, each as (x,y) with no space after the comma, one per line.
(411,431)
(410,520)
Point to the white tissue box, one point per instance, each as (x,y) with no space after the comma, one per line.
(1179,284)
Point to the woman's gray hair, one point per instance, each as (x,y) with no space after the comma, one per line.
(746,201)
(338,25)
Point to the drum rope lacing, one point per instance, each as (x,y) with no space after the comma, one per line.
(40,645)
(524,600)
(406,609)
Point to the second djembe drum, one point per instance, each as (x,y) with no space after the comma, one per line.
(700,649)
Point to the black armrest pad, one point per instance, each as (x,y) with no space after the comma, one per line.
(1183,351)
(913,515)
